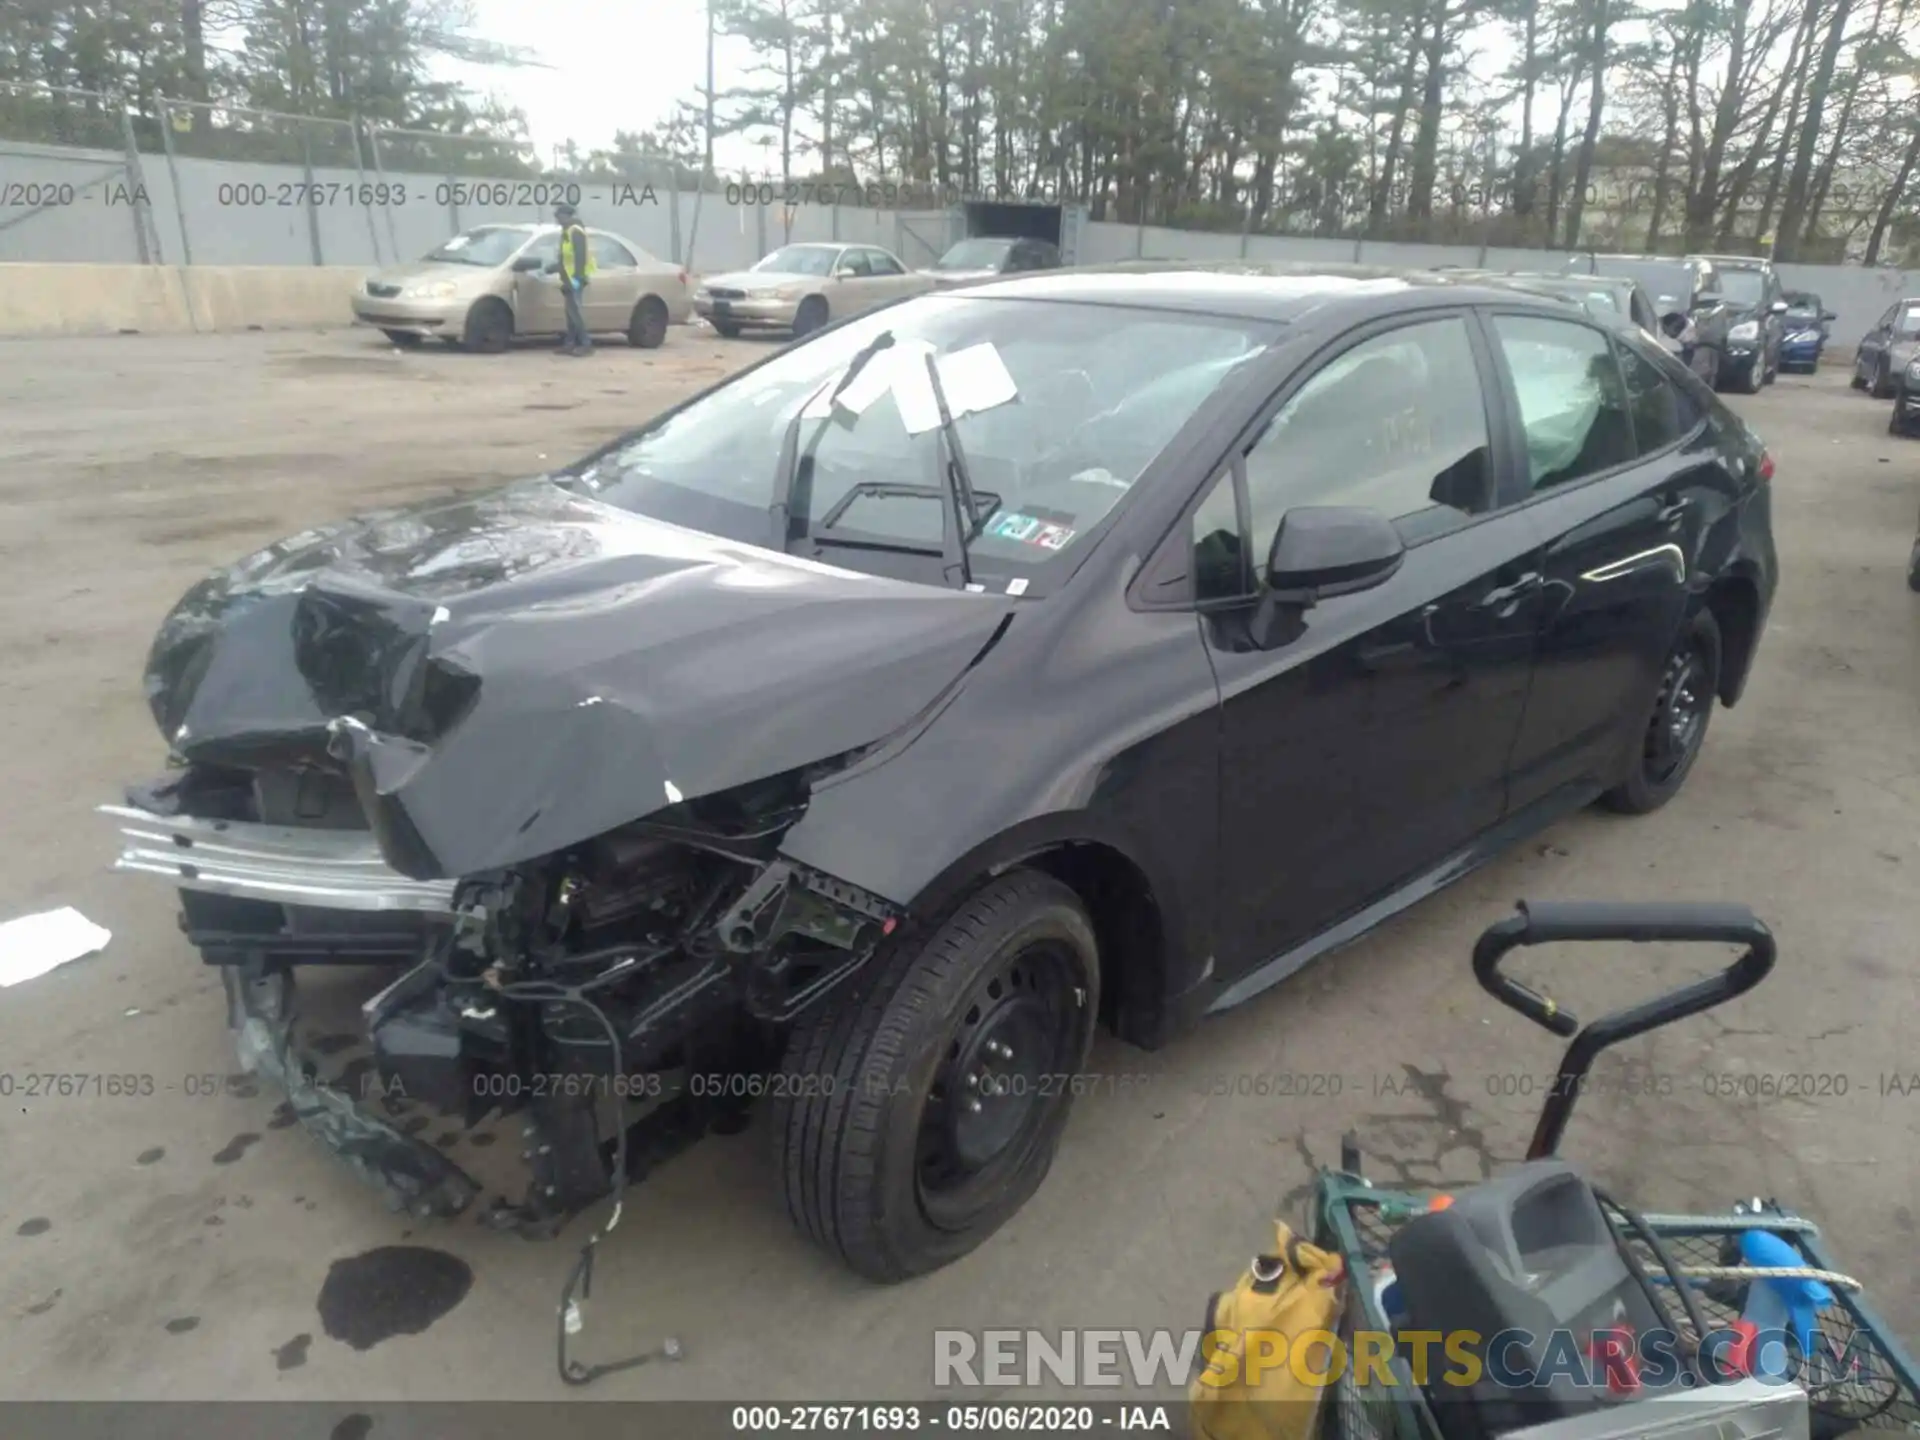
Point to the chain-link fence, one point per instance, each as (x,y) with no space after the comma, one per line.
(71,182)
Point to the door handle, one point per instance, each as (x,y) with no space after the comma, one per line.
(1507,596)
(1674,511)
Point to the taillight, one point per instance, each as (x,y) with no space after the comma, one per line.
(1765,468)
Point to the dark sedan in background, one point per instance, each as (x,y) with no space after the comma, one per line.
(990,258)
(861,732)
(1888,348)
(1808,325)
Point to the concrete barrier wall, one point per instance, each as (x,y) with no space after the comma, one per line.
(81,299)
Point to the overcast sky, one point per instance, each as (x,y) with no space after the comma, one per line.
(614,67)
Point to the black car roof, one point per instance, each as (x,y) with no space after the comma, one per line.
(1285,293)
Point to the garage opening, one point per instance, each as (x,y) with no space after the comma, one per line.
(1004,220)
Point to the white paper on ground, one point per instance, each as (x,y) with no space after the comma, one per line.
(35,944)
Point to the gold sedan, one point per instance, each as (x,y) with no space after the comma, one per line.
(491,285)
(802,287)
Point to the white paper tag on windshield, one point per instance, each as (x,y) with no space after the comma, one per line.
(913,395)
(976,379)
(458,242)
(877,377)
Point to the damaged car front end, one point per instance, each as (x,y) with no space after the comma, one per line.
(449,790)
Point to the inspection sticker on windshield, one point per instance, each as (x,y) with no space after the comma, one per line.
(1016,527)
(1053,537)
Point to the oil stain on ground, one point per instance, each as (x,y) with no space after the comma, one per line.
(148,1157)
(389,1291)
(234,1148)
(293,1354)
(39,1225)
(183,1324)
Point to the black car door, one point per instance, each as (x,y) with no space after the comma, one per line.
(1624,472)
(1366,737)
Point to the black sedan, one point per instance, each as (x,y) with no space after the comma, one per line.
(1093,648)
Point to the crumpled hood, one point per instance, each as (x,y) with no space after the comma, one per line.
(510,674)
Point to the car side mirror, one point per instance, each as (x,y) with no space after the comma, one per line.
(526,264)
(1828,317)
(1779,307)
(1321,551)
(1673,324)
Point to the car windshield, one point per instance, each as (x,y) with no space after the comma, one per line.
(801,260)
(1801,303)
(1669,284)
(1743,287)
(1058,410)
(489,245)
(975,255)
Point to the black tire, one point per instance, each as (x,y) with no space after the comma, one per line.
(727,331)
(1895,425)
(647,330)
(405,339)
(1913,568)
(811,315)
(1857,380)
(489,327)
(1689,683)
(870,1136)
(1882,381)
(1750,379)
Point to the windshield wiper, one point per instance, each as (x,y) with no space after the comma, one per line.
(792,462)
(967,518)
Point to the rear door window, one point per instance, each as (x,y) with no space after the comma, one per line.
(1572,404)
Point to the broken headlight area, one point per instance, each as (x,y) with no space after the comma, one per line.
(636,986)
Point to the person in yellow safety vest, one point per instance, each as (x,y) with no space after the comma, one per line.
(576,269)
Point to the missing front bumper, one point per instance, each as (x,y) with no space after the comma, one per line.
(410,1174)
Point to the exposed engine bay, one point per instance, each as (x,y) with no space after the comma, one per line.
(634,985)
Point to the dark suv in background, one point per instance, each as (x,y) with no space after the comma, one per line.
(1691,287)
(1756,304)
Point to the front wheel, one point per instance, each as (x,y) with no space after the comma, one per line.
(1753,376)
(1882,382)
(489,327)
(811,315)
(917,1114)
(1677,728)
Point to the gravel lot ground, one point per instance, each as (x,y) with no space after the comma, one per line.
(175,1245)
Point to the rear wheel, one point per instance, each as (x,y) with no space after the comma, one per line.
(811,315)
(489,327)
(405,339)
(920,1112)
(648,327)
(1677,727)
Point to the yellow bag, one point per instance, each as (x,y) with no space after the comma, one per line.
(1267,1357)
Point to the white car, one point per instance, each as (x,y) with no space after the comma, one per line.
(802,287)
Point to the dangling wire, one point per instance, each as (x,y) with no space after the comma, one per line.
(580,1278)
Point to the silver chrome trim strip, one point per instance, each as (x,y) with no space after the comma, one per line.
(329,869)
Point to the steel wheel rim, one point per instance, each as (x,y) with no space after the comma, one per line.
(1679,715)
(1003,1071)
